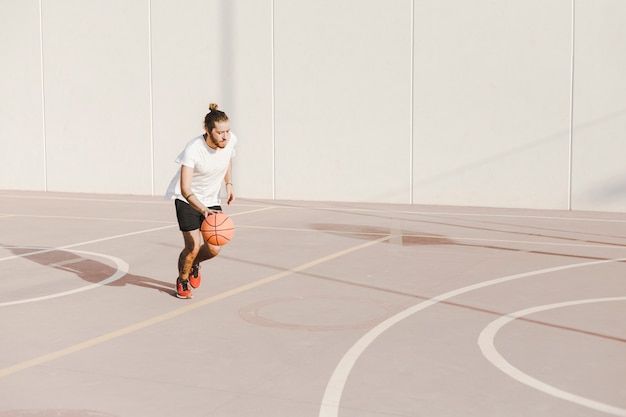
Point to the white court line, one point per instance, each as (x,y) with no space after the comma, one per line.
(180,311)
(113,237)
(336,384)
(102,200)
(122,266)
(264,208)
(444,213)
(172,223)
(340,209)
(398,233)
(122,269)
(487,346)
(37,252)
(42,216)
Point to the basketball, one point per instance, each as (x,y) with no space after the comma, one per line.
(217,229)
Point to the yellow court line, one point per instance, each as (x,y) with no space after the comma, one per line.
(180,311)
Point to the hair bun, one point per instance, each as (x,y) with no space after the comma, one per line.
(213,106)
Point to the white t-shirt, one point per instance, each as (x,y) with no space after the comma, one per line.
(209,167)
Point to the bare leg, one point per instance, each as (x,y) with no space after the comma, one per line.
(206,252)
(193,243)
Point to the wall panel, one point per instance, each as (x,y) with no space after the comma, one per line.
(599,171)
(21,117)
(459,103)
(186,76)
(213,51)
(491,114)
(97,91)
(342,73)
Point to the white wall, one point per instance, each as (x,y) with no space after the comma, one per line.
(22,161)
(599,169)
(411,101)
(343,100)
(97,95)
(213,51)
(492,102)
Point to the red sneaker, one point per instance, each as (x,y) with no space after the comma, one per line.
(195,277)
(182,288)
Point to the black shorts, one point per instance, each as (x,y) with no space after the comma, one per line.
(188,217)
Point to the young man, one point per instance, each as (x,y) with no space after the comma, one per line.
(204,164)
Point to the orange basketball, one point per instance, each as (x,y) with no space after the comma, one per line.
(217,229)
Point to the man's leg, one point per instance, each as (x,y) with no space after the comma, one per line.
(206,252)
(193,242)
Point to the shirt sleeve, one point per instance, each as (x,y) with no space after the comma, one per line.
(186,156)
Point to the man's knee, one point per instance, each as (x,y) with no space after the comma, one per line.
(215,250)
(192,249)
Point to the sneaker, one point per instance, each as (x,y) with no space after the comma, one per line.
(195,277)
(182,289)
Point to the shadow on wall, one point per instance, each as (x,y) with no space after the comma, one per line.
(614,190)
(595,133)
(611,192)
(226,45)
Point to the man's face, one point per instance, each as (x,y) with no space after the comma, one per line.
(219,135)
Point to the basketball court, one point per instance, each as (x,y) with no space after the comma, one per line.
(312,310)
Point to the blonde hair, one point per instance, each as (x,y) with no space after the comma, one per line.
(213,116)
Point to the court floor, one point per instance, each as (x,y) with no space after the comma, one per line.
(313,310)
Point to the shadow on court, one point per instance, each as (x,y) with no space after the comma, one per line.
(412,238)
(89,270)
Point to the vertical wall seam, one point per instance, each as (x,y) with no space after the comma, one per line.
(151,97)
(273,103)
(571,110)
(412,98)
(43,101)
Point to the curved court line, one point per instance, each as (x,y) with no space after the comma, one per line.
(73,245)
(487,346)
(180,311)
(336,384)
(170,225)
(122,269)
(122,266)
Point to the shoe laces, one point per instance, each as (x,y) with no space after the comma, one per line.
(194,270)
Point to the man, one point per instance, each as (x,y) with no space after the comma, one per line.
(205,162)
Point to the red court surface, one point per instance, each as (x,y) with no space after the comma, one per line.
(313,310)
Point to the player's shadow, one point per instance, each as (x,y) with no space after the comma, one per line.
(87,269)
